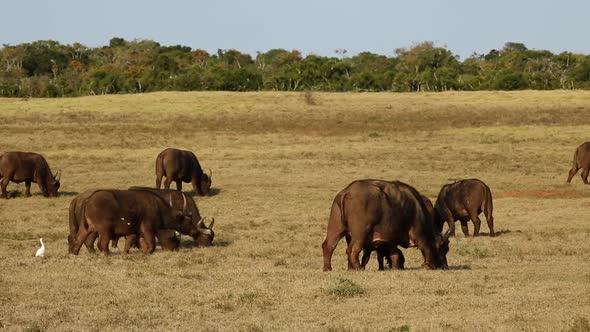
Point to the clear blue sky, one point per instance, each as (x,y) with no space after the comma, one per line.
(311,26)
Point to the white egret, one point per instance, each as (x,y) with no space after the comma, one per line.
(41,251)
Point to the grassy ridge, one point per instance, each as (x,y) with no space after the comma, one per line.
(277,161)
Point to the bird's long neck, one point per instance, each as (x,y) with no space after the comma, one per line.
(42,245)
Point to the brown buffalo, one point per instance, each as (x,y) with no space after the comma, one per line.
(375,213)
(394,256)
(203,235)
(113,213)
(464,200)
(581,160)
(181,166)
(27,167)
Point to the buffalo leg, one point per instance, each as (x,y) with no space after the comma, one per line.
(573,172)
(464,227)
(130,240)
(89,243)
(80,239)
(348,247)
(355,250)
(384,253)
(4,184)
(451,229)
(476,223)
(103,243)
(397,259)
(158,182)
(584,174)
(328,247)
(27,188)
(380,257)
(366,256)
(167,182)
(150,242)
(179,185)
(490,220)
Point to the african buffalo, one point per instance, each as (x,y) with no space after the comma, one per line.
(382,213)
(28,167)
(394,256)
(181,166)
(464,200)
(203,235)
(581,160)
(113,213)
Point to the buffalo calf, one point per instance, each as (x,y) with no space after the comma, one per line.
(464,200)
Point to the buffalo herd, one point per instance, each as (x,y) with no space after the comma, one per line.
(372,215)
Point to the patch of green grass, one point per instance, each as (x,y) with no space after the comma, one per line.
(346,288)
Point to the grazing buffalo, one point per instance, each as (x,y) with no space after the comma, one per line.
(201,233)
(394,256)
(114,213)
(464,200)
(581,160)
(28,167)
(382,214)
(181,166)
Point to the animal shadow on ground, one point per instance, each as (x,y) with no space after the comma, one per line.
(212,192)
(18,193)
(451,267)
(459,267)
(189,243)
(497,233)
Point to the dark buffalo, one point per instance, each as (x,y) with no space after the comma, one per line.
(114,213)
(581,160)
(203,235)
(382,214)
(28,167)
(464,200)
(181,166)
(395,258)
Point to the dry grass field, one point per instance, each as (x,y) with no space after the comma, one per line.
(278,159)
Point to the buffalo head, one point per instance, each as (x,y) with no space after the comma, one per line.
(204,234)
(52,185)
(205,184)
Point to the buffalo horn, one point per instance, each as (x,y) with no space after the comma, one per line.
(57,175)
(211,224)
(210,173)
(200,223)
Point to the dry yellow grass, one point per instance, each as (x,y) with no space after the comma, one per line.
(277,163)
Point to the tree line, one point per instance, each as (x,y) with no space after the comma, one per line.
(46,68)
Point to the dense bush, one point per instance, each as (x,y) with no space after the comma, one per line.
(47,68)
